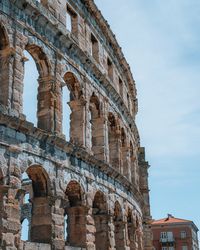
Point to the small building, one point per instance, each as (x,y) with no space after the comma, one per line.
(174,234)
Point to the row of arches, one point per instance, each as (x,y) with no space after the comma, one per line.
(75,215)
(64,104)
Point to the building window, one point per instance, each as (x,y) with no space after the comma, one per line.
(171,248)
(183,234)
(166,235)
(184,247)
(95,48)
(163,235)
(164,248)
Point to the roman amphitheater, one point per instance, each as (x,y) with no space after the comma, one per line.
(89,192)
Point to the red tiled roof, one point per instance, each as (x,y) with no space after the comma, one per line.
(169,220)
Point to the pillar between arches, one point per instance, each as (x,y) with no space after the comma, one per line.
(47,111)
(77,122)
(57,213)
(9,217)
(98,138)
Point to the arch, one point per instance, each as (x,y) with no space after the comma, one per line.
(73,85)
(100,215)
(113,141)
(38,186)
(4,66)
(42,114)
(74,193)
(40,181)
(40,58)
(119,227)
(30,88)
(75,100)
(75,216)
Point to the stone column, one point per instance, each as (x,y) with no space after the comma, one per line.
(77,122)
(6,71)
(120,242)
(125,170)
(111,232)
(114,149)
(57,213)
(130,236)
(98,138)
(47,96)
(18,73)
(41,223)
(9,218)
(90,231)
(77,226)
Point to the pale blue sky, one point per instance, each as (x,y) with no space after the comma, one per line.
(161,42)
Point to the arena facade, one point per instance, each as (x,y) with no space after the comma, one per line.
(90,192)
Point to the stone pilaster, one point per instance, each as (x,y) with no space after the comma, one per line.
(6,69)
(41,226)
(114,149)
(10,218)
(144,188)
(77,122)
(90,231)
(111,232)
(98,138)
(17,73)
(57,213)
(46,104)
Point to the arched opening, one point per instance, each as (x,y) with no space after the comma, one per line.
(74,123)
(4,67)
(100,215)
(30,89)
(124,155)
(113,141)
(36,206)
(75,216)
(131,230)
(119,227)
(96,128)
(37,88)
(25,230)
(66,112)
(26,207)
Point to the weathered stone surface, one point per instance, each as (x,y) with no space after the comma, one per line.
(91,192)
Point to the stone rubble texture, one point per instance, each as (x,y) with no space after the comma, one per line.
(95,186)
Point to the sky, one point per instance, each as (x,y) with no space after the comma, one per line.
(161,42)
